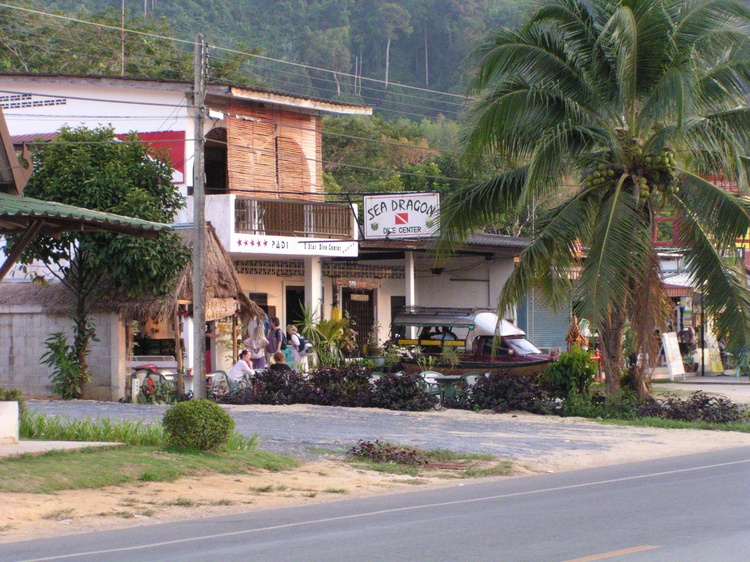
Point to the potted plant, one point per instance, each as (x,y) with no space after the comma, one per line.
(688,362)
(374,351)
(392,357)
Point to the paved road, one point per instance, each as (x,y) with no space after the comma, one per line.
(691,508)
(315,431)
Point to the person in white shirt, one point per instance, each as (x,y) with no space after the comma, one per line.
(257,343)
(299,359)
(242,367)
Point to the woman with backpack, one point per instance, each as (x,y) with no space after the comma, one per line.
(299,351)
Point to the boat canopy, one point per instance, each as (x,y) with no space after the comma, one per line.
(479,321)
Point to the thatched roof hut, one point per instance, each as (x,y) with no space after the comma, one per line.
(223,291)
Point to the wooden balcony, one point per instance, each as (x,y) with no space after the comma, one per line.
(293,218)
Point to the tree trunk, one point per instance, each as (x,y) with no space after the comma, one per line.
(81,340)
(338,86)
(426,60)
(611,339)
(387,60)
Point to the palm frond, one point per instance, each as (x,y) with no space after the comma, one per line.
(553,258)
(723,285)
(476,206)
(620,240)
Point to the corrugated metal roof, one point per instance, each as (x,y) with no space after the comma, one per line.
(32,137)
(18,212)
(211,87)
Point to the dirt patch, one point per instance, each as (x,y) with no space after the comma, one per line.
(29,516)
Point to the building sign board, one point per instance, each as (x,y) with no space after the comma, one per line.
(407,215)
(291,246)
(672,354)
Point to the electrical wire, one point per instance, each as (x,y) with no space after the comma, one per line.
(11,115)
(233,51)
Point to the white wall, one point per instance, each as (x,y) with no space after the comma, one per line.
(23,331)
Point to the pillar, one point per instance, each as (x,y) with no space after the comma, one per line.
(314,287)
(410,288)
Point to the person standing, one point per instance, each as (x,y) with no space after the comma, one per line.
(257,344)
(299,358)
(275,339)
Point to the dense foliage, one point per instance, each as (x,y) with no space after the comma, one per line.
(198,424)
(345,386)
(698,407)
(419,42)
(573,370)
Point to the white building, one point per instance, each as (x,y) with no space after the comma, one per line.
(264,195)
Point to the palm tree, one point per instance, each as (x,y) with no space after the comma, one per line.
(623,107)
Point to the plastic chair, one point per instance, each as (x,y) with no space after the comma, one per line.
(430,384)
(471,378)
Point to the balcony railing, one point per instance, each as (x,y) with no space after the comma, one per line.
(293,218)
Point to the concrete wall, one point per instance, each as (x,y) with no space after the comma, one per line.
(23,331)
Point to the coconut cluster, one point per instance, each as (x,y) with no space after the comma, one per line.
(647,172)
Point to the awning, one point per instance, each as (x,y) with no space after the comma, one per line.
(421,316)
(18,213)
(28,217)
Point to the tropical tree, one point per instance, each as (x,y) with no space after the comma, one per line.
(635,103)
(91,169)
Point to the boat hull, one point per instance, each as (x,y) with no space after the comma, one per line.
(464,367)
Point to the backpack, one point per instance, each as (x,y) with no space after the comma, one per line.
(302,344)
(282,335)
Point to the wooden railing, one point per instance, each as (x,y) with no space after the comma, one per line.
(293,218)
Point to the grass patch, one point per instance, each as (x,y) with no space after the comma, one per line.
(97,468)
(59,514)
(503,468)
(131,432)
(390,468)
(316,450)
(740,426)
(335,491)
(182,502)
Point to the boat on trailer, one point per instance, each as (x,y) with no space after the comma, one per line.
(482,341)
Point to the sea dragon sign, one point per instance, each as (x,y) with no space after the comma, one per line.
(402,215)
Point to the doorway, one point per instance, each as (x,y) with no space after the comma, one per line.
(360,305)
(295,304)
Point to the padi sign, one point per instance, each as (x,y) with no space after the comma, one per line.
(408,215)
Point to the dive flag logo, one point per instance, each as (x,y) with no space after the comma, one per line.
(402,218)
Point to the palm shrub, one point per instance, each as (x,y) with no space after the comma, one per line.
(68,376)
(613,113)
(574,370)
(198,424)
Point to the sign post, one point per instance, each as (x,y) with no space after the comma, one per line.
(672,354)
(402,215)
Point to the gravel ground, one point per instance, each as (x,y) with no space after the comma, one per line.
(312,432)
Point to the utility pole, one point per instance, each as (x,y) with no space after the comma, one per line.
(199,223)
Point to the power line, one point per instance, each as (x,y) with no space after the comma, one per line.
(184,105)
(234,51)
